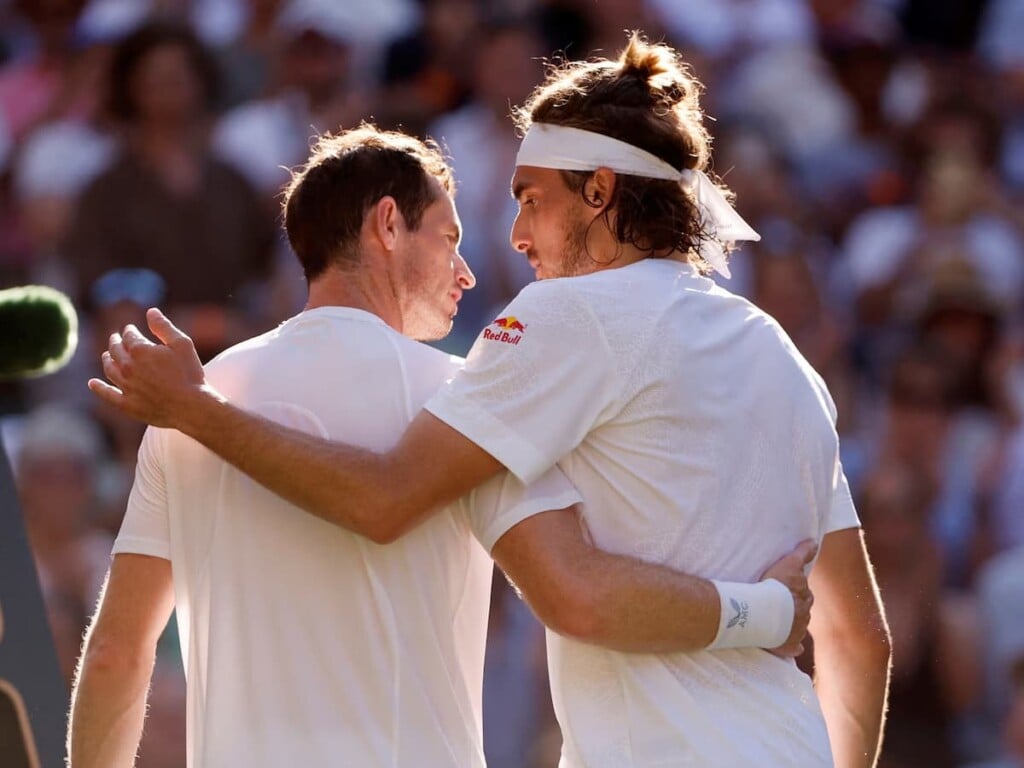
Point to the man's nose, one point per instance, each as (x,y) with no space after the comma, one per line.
(518,237)
(463,274)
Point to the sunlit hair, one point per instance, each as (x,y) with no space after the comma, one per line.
(648,98)
(346,175)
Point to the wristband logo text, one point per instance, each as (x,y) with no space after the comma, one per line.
(510,330)
(742,613)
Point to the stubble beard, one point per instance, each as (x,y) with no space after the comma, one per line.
(574,251)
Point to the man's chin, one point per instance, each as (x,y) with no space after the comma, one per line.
(433,334)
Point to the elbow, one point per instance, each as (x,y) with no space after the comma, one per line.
(881,647)
(380,521)
(382,534)
(107,657)
(875,644)
(575,614)
(870,646)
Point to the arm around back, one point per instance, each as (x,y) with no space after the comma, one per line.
(852,649)
(589,595)
(630,605)
(379,496)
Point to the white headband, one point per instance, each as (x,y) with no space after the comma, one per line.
(572,149)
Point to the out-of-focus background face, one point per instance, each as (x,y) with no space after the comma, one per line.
(877,146)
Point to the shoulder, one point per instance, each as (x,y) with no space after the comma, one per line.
(420,356)
(551,300)
(240,352)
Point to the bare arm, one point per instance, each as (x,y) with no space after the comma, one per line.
(621,602)
(379,496)
(108,701)
(851,649)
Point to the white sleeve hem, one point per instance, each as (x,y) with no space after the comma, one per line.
(139,545)
(490,433)
(512,517)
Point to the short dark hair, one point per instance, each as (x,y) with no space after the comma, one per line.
(130,52)
(346,175)
(647,98)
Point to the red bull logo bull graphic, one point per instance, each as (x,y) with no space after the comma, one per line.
(509,330)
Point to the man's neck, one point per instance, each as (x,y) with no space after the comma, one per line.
(360,288)
(624,255)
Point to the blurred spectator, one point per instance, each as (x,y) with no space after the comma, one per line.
(247,62)
(785,287)
(54,164)
(1008,501)
(961,317)
(310,92)
(935,677)
(166,203)
(890,250)
(45,83)
(424,72)
(948,24)
(726,29)
(57,458)
(1012,725)
(1001,590)
(1002,31)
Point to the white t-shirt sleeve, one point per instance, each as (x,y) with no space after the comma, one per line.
(146,527)
(537,380)
(842,513)
(504,501)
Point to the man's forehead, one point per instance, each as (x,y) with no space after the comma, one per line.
(526,176)
(449,211)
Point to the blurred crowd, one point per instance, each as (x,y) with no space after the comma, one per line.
(877,146)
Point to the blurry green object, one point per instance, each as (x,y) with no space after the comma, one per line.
(38,331)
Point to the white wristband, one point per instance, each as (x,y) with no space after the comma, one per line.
(753,615)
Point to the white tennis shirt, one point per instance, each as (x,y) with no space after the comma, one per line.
(303,644)
(699,438)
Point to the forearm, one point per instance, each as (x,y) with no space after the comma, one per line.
(341,484)
(641,607)
(631,605)
(107,711)
(852,686)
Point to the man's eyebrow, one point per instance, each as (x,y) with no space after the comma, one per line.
(518,188)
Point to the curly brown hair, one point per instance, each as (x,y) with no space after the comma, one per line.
(648,98)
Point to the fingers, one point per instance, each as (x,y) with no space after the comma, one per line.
(789,650)
(106,393)
(806,550)
(133,339)
(117,350)
(164,329)
(112,369)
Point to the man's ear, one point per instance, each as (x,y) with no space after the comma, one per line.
(386,222)
(599,188)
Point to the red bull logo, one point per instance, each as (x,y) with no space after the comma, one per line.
(510,330)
